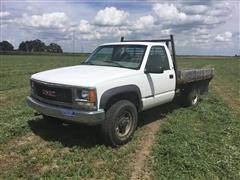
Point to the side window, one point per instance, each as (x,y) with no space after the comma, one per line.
(158,57)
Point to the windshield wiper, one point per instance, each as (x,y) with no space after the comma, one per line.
(87,62)
(114,62)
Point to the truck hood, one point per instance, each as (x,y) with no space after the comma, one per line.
(83,75)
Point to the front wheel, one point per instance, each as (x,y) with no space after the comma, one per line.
(120,123)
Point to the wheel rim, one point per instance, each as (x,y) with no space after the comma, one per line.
(124,124)
(194,99)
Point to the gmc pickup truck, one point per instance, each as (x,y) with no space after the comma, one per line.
(114,83)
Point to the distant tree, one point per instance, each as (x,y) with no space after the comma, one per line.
(6,46)
(32,46)
(22,46)
(54,48)
(39,46)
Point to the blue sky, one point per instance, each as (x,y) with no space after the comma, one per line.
(200,27)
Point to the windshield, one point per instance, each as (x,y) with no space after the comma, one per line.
(125,56)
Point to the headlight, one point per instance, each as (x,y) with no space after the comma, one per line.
(87,99)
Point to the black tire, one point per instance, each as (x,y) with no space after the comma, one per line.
(191,98)
(52,120)
(120,123)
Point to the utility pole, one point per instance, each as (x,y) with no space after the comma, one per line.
(82,49)
(73,38)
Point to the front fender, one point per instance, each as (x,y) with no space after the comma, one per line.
(107,95)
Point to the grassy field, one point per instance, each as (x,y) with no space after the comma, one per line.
(200,142)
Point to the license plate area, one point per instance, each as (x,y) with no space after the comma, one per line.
(68,112)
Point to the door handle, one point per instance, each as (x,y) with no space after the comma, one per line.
(171,76)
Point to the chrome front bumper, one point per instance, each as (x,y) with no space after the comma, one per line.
(83,117)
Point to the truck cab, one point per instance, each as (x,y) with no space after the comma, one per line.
(149,64)
(112,85)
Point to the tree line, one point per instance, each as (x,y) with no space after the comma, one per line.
(32,46)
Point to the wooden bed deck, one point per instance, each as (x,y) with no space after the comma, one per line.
(194,75)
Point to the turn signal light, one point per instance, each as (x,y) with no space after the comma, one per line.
(92,96)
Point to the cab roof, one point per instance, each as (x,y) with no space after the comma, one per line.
(134,43)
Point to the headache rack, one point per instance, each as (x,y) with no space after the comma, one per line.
(166,41)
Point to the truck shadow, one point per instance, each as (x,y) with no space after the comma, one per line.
(156,113)
(70,135)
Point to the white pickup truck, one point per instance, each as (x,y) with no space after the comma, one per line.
(114,83)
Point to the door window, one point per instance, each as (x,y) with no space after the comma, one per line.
(158,57)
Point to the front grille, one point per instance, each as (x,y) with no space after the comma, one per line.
(51,92)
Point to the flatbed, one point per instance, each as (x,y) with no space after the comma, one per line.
(192,75)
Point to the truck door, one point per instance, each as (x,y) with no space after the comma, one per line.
(162,83)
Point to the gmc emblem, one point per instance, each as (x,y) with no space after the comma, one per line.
(49,93)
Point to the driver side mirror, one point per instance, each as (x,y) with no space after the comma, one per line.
(154,69)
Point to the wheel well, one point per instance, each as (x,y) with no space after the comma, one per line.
(131,96)
(200,86)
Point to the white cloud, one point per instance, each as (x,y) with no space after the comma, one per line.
(225,37)
(168,12)
(88,31)
(193,23)
(109,22)
(195,9)
(6,18)
(211,20)
(4,14)
(144,22)
(111,16)
(203,38)
(200,31)
(199,14)
(220,9)
(85,27)
(166,31)
(112,22)
(47,20)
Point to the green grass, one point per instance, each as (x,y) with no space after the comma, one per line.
(32,148)
(15,72)
(200,142)
(16,69)
(227,75)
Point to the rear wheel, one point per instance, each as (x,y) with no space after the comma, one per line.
(120,123)
(191,98)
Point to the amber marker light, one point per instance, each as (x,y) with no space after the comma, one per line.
(92,96)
